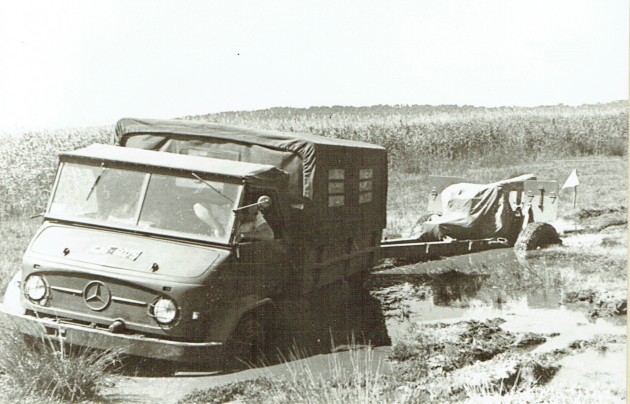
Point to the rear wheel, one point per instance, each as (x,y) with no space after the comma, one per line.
(537,235)
(249,343)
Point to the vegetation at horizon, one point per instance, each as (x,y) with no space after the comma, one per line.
(419,139)
(419,136)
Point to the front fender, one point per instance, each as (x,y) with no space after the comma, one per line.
(224,324)
(12,296)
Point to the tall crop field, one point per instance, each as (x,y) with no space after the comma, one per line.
(419,139)
(28,162)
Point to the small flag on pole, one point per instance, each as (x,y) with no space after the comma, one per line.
(572,181)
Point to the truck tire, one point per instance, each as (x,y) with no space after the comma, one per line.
(537,235)
(249,343)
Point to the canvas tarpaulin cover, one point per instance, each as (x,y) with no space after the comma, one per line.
(297,154)
(472,211)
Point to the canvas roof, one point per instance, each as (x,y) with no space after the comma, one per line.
(274,139)
(311,149)
(182,163)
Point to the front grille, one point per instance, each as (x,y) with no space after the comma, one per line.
(99,301)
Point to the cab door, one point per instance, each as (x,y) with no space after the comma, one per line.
(261,268)
(264,267)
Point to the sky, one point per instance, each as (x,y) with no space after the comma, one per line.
(82,63)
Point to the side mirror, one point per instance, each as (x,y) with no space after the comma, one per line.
(263,202)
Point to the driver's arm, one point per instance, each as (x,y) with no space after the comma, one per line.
(262,230)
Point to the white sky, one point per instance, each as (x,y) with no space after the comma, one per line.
(77,63)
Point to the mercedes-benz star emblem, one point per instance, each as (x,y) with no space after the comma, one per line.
(96,295)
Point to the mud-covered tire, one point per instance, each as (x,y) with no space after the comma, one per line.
(537,235)
(249,344)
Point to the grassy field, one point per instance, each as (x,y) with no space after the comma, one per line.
(46,373)
(477,143)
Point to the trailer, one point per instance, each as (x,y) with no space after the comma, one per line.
(520,217)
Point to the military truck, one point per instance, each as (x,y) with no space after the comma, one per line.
(141,247)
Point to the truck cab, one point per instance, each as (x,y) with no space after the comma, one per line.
(152,246)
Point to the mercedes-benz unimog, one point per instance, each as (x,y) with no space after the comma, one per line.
(142,249)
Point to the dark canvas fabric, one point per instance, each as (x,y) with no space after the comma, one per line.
(312,150)
(472,211)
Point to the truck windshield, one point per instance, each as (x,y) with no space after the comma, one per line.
(157,203)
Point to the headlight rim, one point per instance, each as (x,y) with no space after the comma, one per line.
(46,288)
(176,316)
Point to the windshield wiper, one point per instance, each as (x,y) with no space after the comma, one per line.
(98,178)
(212,187)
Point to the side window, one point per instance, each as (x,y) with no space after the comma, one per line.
(365,185)
(336,187)
(272,214)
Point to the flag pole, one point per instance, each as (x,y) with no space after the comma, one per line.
(574,203)
(575,190)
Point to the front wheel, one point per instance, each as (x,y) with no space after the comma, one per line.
(249,343)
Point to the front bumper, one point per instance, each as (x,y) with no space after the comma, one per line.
(133,345)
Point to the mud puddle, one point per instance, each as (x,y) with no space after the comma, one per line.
(604,369)
(530,293)
(567,304)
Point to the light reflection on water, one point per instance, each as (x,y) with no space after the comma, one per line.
(526,291)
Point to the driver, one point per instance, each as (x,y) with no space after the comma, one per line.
(252,225)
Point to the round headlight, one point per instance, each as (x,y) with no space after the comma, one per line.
(165,310)
(35,288)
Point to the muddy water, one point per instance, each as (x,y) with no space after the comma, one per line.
(526,291)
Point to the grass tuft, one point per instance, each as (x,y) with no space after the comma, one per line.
(349,376)
(41,370)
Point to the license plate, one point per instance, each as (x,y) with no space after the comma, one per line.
(116,252)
